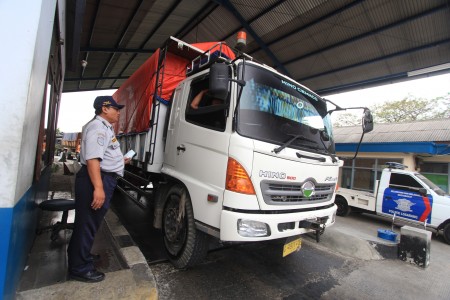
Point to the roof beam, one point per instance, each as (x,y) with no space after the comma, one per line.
(314,22)
(369,33)
(392,55)
(228,5)
(86,90)
(262,13)
(75,14)
(202,14)
(363,84)
(149,36)
(97,78)
(116,50)
(393,78)
(91,34)
(122,36)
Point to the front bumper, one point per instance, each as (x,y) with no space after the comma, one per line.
(280,225)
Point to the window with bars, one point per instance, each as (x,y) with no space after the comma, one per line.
(362,173)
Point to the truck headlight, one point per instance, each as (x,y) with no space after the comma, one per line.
(250,228)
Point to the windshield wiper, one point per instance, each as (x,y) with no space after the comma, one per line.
(294,138)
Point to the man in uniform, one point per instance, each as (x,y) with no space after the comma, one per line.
(102,161)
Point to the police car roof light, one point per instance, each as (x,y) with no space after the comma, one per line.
(396,165)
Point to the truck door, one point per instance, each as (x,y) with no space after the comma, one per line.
(403,198)
(170,152)
(198,151)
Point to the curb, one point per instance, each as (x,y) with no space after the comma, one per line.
(132,255)
(355,247)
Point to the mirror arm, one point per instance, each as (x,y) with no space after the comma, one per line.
(338,108)
(357,149)
(239,82)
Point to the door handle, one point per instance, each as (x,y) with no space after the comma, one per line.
(181,148)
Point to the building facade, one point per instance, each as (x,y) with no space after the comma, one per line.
(423,146)
(33,32)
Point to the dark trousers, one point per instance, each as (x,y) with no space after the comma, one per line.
(87,220)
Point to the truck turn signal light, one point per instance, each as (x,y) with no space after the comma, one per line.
(237,178)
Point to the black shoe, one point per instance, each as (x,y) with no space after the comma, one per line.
(94,257)
(91,276)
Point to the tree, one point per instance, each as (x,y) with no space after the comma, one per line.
(411,109)
(344,119)
(407,109)
(441,107)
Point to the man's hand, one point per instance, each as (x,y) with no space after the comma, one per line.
(99,199)
(196,101)
(126,160)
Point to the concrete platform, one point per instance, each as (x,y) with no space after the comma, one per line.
(128,275)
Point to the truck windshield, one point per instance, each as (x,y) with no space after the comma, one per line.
(274,110)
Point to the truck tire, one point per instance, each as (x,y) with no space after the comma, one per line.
(342,206)
(447,233)
(185,245)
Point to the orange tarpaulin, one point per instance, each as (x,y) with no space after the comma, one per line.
(137,92)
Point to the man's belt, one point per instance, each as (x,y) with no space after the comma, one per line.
(112,174)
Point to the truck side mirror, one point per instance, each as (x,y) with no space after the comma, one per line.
(367,121)
(324,134)
(218,81)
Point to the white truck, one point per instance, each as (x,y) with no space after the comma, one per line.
(406,195)
(259,166)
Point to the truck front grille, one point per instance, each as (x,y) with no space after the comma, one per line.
(276,193)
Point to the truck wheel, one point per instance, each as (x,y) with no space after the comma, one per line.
(185,245)
(447,233)
(342,207)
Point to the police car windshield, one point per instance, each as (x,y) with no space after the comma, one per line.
(273,109)
(431,185)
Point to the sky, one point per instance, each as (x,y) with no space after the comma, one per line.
(76,108)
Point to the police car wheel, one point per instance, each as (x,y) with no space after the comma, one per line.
(447,233)
(342,207)
(185,245)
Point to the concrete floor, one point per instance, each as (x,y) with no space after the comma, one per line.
(45,276)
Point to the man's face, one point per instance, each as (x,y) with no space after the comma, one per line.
(111,114)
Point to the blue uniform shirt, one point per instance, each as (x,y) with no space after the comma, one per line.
(99,141)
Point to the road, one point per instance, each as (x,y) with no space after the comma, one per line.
(344,265)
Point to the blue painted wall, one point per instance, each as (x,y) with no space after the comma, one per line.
(412,147)
(17,233)
(5,237)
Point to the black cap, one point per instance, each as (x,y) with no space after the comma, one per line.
(106,101)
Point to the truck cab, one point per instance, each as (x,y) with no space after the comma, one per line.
(258,164)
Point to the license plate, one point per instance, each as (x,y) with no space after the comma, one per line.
(292,246)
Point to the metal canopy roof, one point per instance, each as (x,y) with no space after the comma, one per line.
(419,131)
(329,46)
(426,137)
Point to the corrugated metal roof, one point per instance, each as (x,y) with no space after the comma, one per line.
(327,45)
(419,131)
